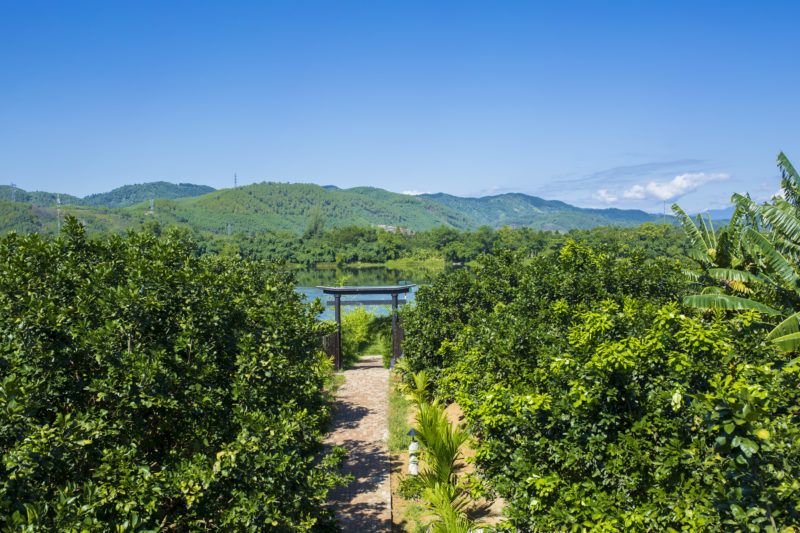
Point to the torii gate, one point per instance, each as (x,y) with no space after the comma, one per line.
(393,290)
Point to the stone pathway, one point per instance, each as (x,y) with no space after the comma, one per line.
(359,424)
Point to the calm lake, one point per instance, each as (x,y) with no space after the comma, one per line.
(308,279)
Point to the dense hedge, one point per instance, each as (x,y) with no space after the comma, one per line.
(144,387)
(600,404)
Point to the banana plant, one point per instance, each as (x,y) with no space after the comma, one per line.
(765,241)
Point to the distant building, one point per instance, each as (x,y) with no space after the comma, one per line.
(395,229)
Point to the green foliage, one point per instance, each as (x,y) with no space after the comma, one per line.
(600,404)
(441,443)
(760,264)
(146,387)
(355,333)
(19,217)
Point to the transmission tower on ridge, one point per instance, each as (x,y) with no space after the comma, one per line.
(58,211)
(235,184)
(229,229)
(13,192)
(151,206)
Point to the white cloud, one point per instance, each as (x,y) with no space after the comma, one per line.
(604,196)
(416,193)
(636,192)
(677,186)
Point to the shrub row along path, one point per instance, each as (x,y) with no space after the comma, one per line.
(360,425)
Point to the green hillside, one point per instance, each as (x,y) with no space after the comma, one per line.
(516,209)
(39,197)
(288,207)
(129,195)
(124,196)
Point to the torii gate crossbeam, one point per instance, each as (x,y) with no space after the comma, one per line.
(392,290)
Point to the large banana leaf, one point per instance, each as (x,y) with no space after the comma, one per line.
(699,245)
(782,221)
(735,224)
(747,205)
(730,303)
(731,274)
(787,170)
(783,205)
(787,343)
(776,261)
(787,327)
(708,234)
(691,275)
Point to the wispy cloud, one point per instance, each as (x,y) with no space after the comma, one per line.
(604,196)
(637,192)
(416,193)
(674,188)
(620,176)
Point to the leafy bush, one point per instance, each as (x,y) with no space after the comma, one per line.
(144,387)
(355,333)
(599,403)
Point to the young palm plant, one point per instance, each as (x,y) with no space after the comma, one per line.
(447,503)
(441,442)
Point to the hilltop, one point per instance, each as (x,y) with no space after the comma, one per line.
(129,195)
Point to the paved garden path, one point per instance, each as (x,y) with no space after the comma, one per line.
(359,424)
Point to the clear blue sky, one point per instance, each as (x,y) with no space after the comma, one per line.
(622,104)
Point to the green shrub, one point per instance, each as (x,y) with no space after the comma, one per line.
(599,403)
(355,333)
(145,387)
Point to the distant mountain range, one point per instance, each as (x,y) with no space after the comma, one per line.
(718,214)
(288,207)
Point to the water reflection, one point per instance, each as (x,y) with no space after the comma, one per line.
(360,277)
(308,279)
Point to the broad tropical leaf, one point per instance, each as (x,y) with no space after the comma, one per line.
(724,301)
(791,181)
(708,234)
(782,221)
(699,245)
(731,274)
(746,204)
(788,326)
(776,261)
(787,343)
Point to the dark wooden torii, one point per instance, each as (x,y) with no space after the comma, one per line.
(393,290)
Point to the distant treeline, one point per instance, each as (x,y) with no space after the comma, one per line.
(355,244)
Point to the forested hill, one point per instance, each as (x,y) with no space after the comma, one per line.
(133,194)
(289,207)
(124,196)
(39,198)
(517,209)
